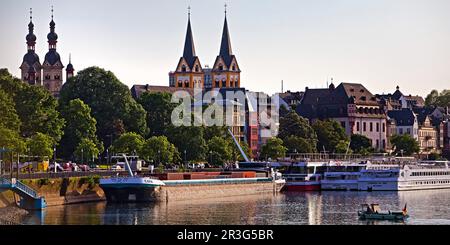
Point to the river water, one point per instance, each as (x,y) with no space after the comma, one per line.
(430,207)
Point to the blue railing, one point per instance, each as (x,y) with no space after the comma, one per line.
(19,186)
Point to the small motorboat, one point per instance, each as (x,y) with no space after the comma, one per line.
(373,212)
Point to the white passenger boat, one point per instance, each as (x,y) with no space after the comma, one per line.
(419,176)
(340,181)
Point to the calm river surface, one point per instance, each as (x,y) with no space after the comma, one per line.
(315,208)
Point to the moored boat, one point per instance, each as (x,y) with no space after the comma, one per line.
(373,212)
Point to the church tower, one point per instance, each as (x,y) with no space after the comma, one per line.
(225,72)
(69,69)
(52,67)
(189,72)
(31,66)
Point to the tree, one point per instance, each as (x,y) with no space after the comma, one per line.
(109,99)
(297,133)
(79,125)
(87,151)
(295,144)
(8,114)
(405,144)
(361,144)
(220,150)
(35,106)
(158,149)
(329,134)
(438,99)
(190,140)
(342,147)
(273,149)
(128,143)
(41,145)
(11,140)
(159,110)
(237,156)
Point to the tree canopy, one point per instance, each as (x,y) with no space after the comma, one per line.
(79,125)
(220,151)
(159,110)
(330,134)
(273,149)
(8,114)
(438,99)
(190,139)
(40,145)
(110,101)
(159,150)
(129,143)
(361,144)
(405,144)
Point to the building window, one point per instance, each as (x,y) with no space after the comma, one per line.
(371,127)
(220,67)
(196,68)
(47,77)
(408,131)
(234,67)
(217,84)
(384,144)
(224,83)
(364,126)
(378,127)
(186,84)
(183,68)
(57,77)
(357,126)
(343,125)
(377,144)
(400,131)
(384,127)
(180,84)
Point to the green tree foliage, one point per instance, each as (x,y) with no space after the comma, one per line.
(329,133)
(11,140)
(273,149)
(40,145)
(158,149)
(406,143)
(438,99)
(159,110)
(189,139)
(342,147)
(129,143)
(86,151)
(110,100)
(8,115)
(79,125)
(220,151)
(294,125)
(295,144)
(237,156)
(35,106)
(361,144)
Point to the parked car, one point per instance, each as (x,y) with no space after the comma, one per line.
(84,167)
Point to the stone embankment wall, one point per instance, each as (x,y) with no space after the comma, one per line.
(67,191)
(198,192)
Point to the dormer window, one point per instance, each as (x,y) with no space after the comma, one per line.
(183,68)
(196,68)
(234,67)
(220,67)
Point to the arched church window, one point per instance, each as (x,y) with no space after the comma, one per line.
(186,84)
(47,77)
(180,84)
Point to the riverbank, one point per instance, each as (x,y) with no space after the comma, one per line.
(9,213)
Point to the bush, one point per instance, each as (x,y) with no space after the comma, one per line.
(42,182)
(90,181)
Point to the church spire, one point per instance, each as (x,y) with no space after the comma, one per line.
(225,46)
(52,36)
(189,48)
(31,38)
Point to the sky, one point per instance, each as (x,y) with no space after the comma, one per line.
(305,43)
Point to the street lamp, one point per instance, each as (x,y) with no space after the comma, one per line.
(54,157)
(210,157)
(185,161)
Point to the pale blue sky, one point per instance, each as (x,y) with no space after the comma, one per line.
(380,43)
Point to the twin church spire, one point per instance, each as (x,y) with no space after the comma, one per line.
(189,72)
(50,73)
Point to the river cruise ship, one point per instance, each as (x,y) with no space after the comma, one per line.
(418,176)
